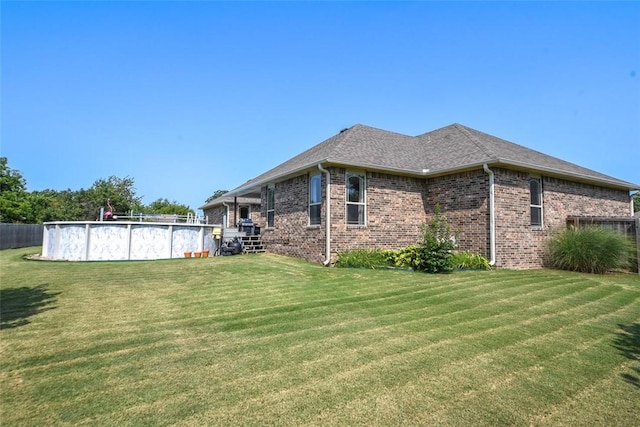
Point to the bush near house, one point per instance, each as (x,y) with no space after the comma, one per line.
(589,250)
(366,258)
(433,255)
(435,251)
(467,260)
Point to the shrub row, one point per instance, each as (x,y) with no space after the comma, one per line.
(590,250)
(435,254)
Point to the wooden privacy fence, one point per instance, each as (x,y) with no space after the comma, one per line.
(20,235)
(624,225)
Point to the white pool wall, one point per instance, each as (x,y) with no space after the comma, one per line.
(114,241)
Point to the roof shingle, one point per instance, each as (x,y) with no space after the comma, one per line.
(444,150)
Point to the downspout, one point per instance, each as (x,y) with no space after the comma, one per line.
(492,215)
(227,216)
(327,222)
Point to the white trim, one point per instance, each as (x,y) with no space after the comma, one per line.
(363,190)
(532,205)
(309,202)
(273,208)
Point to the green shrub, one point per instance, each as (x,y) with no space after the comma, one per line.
(434,253)
(435,259)
(589,250)
(470,260)
(366,258)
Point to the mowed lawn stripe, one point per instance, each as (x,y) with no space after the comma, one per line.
(254,378)
(105,345)
(432,358)
(270,340)
(401,345)
(358,345)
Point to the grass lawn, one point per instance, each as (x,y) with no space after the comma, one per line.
(268,340)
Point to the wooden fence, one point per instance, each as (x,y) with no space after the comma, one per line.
(20,235)
(624,225)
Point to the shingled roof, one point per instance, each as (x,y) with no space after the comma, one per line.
(446,150)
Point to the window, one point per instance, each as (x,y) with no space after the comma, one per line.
(315,198)
(244,211)
(535,189)
(356,206)
(271,201)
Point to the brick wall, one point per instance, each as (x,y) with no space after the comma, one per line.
(291,234)
(464,200)
(521,245)
(395,210)
(397,206)
(216,214)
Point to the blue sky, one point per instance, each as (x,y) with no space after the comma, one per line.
(191,97)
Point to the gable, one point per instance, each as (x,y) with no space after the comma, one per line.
(450,149)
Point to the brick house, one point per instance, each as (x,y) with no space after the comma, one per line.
(377,187)
(228,210)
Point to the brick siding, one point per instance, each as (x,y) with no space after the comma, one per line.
(216,214)
(291,235)
(395,210)
(521,245)
(397,206)
(464,200)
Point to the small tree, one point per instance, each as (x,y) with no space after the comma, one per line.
(164,206)
(120,191)
(14,206)
(434,253)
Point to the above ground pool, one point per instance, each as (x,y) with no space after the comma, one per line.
(125,240)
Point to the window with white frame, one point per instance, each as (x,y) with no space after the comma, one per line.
(271,201)
(356,198)
(315,198)
(535,190)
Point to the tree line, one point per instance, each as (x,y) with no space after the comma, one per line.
(17,205)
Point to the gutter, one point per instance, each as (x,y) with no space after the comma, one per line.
(492,215)
(327,222)
(227,215)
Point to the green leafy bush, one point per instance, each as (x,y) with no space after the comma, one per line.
(589,250)
(434,253)
(366,258)
(426,259)
(470,260)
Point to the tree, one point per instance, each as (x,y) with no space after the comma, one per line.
(215,195)
(636,202)
(14,205)
(51,205)
(119,191)
(164,206)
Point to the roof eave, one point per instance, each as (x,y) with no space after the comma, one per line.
(614,183)
(218,201)
(250,188)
